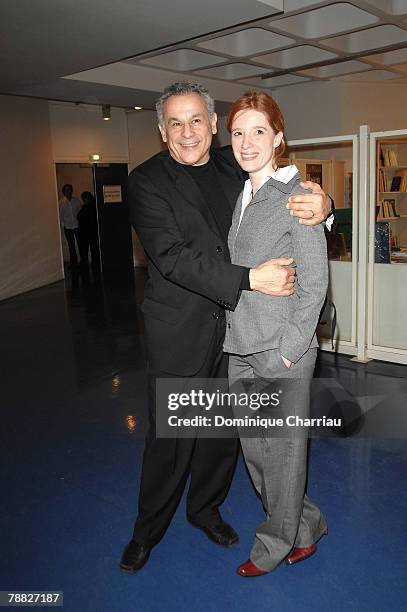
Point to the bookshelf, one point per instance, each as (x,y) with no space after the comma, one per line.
(391,201)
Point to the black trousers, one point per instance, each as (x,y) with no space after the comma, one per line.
(70,235)
(167,463)
(86,243)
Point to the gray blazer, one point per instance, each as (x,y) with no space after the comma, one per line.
(268,231)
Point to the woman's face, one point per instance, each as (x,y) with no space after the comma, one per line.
(254,142)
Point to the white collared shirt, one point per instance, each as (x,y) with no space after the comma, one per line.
(68,211)
(284,175)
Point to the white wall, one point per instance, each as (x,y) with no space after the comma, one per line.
(338,108)
(382,107)
(144,142)
(29,227)
(144,137)
(79,130)
(311,109)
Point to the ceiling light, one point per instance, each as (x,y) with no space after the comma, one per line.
(106,112)
(137,107)
(94,157)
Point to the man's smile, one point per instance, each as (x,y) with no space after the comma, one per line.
(189,145)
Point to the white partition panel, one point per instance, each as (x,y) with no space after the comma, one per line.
(332,153)
(390,307)
(387,281)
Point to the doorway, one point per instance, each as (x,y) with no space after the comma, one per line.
(107,183)
(80,176)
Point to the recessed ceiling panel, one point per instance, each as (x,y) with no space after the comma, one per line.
(389,58)
(399,7)
(393,7)
(294,5)
(373,38)
(277,5)
(41,41)
(232,71)
(325,72)
(247,42)
(278,81)
(182,59)
(401,67)
(295,56)
(371,75)
(324,21)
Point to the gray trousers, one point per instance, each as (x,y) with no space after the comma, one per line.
(278,465)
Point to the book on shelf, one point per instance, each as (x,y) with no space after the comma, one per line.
(396,183)
(388,157)
(399,257)
(384,181)
(392,157)
(386,209)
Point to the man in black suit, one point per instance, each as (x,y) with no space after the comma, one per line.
(181,204)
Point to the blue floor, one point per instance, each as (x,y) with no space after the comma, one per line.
(73,421)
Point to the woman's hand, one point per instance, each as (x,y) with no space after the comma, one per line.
(286,362)
(311,208)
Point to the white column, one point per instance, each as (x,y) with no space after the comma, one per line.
(362,253)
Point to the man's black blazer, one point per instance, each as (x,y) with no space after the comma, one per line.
(191,280)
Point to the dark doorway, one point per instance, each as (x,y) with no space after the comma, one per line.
(108,183)
(116,247)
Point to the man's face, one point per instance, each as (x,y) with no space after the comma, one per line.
(68,192)
(188,129)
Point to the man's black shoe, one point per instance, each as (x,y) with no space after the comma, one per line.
(221,533)
(135,555)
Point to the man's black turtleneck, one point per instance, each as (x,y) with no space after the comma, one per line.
(208,183)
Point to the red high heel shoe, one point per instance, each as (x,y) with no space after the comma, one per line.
(249,570)
(300,554)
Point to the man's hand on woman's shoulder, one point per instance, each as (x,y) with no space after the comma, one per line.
(311,208)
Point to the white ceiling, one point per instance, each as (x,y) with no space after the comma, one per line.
(42,40)
(311,39)
(241,43)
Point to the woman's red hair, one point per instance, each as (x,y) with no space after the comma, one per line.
(262,102)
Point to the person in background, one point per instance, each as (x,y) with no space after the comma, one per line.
(88,231)
(269,337)
(69,208)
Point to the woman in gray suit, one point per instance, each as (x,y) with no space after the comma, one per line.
(274,337)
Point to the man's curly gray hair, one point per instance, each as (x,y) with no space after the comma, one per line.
(180,89)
